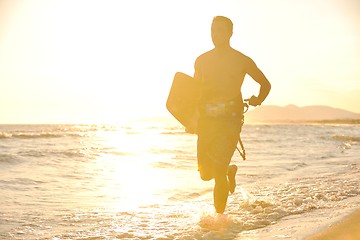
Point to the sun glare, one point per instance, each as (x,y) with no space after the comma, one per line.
(131,169)
(101,62)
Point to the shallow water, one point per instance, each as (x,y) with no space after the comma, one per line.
(139,181)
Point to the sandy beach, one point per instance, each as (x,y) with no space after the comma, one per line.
(346,229)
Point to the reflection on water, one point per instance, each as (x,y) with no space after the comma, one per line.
(140,181)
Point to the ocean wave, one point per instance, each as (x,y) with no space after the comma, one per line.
(118,153)
(164,165)
(38,135)
(184,196)
(346,138)
(296,166)
(8,158)
(57,153)
(174,132)
(258,211)
(5,135)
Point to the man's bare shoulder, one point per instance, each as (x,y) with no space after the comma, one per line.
(203,59)
(240,56)
(205,55)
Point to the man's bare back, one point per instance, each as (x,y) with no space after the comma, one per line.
(222,73)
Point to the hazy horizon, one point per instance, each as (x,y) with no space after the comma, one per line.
(167,115)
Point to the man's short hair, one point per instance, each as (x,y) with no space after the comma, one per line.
(225,20)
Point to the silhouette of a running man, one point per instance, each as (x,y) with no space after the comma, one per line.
(221,72)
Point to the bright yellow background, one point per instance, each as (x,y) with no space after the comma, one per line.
(78,61)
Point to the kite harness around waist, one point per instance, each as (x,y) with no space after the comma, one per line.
(235,108)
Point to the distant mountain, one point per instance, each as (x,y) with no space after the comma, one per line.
(292,113)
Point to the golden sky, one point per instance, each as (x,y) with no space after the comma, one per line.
(74,61)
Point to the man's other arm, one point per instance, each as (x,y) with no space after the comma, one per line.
(265,86)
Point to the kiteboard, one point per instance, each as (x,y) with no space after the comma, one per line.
(183,99)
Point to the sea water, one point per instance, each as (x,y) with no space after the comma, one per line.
(140,181)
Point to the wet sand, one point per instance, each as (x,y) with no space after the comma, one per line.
(346,229)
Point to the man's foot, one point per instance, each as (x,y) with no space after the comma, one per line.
(231,176)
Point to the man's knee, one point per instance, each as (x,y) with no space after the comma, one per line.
(206,175)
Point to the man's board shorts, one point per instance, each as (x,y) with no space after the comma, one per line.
(218,135)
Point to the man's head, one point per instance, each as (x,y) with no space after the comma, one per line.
(221,31)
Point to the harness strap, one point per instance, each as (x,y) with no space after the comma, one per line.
(242,152)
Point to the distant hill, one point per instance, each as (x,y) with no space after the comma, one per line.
(292,113)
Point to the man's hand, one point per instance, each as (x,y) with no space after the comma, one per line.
(253,101)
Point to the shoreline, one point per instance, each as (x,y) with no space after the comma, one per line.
(347,228)
(313,225)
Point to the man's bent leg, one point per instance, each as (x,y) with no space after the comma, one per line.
(206,169)
(231,176)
